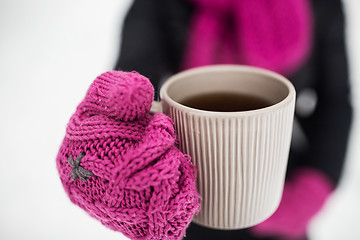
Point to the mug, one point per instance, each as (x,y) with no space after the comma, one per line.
(241,156)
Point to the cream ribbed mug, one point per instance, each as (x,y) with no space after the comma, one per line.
(241,156)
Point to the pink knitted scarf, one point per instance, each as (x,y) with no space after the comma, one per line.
(273,34)
(120,163)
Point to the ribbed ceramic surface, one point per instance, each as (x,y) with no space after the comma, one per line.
(241,163)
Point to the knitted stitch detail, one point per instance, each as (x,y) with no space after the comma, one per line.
(142,184)
(124,96)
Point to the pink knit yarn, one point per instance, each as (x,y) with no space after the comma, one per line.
(142,185)
(272,34)
(304,195)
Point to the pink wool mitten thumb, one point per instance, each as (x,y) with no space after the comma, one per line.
(304,195)
(124,96)
(120,163)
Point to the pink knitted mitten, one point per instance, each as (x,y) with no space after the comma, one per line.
(304,195)
(120,163)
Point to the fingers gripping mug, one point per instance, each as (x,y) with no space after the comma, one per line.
(236,124)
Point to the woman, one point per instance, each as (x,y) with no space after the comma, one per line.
(300,39)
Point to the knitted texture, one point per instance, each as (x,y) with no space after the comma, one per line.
(128,172)
(273,34)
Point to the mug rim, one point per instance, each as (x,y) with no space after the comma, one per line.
(227,67)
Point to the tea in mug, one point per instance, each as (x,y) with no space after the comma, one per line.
(225,102)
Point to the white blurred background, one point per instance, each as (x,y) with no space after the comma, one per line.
(50,52)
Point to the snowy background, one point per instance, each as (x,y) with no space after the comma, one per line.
(50,52)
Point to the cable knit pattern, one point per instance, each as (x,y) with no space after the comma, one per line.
(142,185)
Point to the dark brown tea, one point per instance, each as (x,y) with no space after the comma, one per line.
(225,102)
